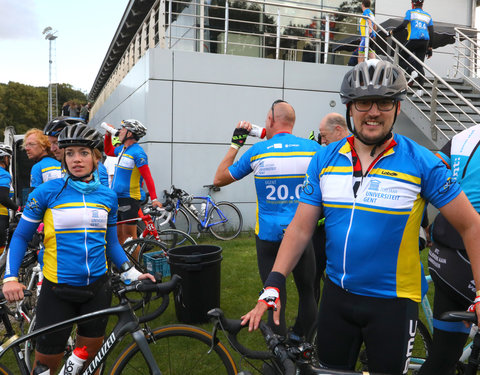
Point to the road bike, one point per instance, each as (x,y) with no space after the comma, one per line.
(150,239)
(283,357)
(223,219)
(168,350)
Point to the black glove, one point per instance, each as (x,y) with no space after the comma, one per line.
(239,137)
(429,52)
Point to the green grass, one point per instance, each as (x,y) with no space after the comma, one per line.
(240,284)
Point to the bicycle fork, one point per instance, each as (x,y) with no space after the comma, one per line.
(142,343)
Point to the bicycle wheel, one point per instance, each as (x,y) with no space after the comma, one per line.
(225,221)
(421,347)
(4,370)
(178,349)
(174,237)
(139,246)
(182,221)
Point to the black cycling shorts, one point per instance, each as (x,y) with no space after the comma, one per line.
(451,268)
(128,209)
(59,302)
(346,320)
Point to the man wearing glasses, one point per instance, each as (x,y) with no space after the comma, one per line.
(373,187)
(279,165)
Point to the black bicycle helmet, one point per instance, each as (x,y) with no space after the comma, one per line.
(55,126)
(135,127)
(79,135)
(5,150)
(373,79)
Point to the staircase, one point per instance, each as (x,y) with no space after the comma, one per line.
(440,113)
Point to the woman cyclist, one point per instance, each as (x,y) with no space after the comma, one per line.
(79,214)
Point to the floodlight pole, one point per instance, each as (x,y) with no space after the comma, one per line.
(50,36)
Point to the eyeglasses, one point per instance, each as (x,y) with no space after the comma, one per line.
(383,105)
(273,106)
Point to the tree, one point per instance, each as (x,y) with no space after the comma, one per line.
(24,107)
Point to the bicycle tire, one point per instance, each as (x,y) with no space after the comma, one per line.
(229,229)
(178,349)
(175,237)
(4,370)
(142,246)
(182,221)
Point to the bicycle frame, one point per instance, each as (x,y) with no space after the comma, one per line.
(127,322)
(204,221)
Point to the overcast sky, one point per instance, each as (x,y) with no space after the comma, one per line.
(84,28)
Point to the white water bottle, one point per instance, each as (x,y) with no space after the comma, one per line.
(202,209)
(258,131)
(193,209)
(74,363)
(109,129)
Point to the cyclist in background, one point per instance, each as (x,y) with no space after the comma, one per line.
(80,232)
(53,129)
(367,12)
(5,202)
(37,148)
(131,169)
(279,165)
(448,261)
(373,187)
(419,42)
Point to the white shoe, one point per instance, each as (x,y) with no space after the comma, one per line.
(419,93)
(413,75)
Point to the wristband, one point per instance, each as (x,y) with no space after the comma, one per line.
(476,301)
(275,279)
(155,200)
(478,293)
(11,278)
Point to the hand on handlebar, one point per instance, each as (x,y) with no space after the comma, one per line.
(254,316)
(157,204)
(13,291)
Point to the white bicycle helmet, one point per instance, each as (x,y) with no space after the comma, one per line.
(5,150)
(135,127)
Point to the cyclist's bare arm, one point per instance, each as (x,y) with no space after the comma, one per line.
(297,235)
(461,214)
(223,176)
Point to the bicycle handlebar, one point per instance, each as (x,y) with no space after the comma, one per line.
(147,286)
(26,293)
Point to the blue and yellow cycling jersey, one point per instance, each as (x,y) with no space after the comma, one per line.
(418,23)
(372,236)
(462,153)
(5,181)
(75,231)
(103,174)
(363,24)
(279,165)
(45,170)
(127,180)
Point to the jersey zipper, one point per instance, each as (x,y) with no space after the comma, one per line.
(361,186)
(86,235)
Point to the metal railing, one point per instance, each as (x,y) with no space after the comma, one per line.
(443,106)
(467,51)
(270,29)
(260,28)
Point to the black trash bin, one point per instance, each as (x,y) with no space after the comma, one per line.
(199,267)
